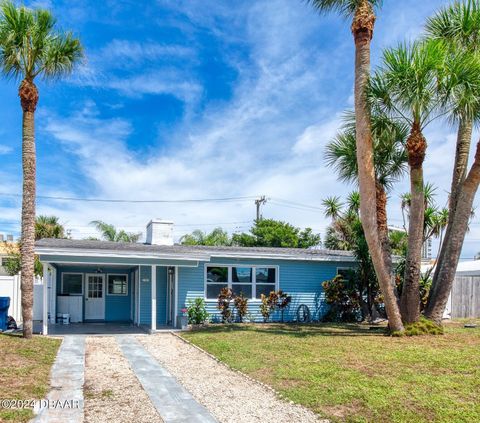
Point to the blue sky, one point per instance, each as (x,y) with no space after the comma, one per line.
(201,99)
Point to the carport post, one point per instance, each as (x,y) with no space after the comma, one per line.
(45,299)
(154,298)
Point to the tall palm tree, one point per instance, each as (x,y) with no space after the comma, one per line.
(458,25)
(110,233)
(363,21)
(390,158)
(31,47)
(407,87)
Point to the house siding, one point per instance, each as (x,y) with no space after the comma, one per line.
(145,295)
(301,279)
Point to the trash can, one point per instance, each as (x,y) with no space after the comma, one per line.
(4,304)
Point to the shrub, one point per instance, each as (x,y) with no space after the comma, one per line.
(423,327)
(283,301)
(241,304)
(196,312)
(343,298)
(275,300)
(223,304)
(265,308)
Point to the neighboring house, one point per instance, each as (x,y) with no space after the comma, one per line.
(148,284)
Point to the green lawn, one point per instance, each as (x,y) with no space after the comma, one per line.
(353,374)
(24,371)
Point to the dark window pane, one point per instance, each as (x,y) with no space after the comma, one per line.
(72,284)
(264,289)
(245,289)
(117,284)
(266,275)
(217,274)
(214,290)
(241,274)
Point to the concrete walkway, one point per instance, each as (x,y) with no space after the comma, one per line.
(172,401)
(67,378)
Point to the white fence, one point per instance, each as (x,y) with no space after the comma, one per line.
(10,287)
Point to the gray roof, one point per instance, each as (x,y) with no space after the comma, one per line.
(49,245)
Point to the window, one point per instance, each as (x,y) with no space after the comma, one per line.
(345,272)
(117,285)
(251,281)
(265,279)
(72,283)
(242,281)
(217,278)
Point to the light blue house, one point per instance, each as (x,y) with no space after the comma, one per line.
(149,284)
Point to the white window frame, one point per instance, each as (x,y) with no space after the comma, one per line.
(117,274)
(72,273)
(230,282)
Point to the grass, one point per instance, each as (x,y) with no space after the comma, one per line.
(349,373)
(24,371)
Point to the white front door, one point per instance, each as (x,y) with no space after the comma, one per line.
(95,297)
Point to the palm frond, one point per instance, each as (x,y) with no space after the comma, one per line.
(345,8)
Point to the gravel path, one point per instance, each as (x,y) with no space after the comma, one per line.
(228,395)
(112,391)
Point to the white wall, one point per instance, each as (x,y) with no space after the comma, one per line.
(10,287)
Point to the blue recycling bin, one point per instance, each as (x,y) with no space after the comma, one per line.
(4,304)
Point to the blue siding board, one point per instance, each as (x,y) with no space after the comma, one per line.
(145,295)
(301,279)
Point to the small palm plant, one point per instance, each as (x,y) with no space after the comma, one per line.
(31,48)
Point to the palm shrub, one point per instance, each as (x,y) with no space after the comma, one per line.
(197,312)
(224,301)
(241,304)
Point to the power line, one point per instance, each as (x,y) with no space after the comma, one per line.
(110,200)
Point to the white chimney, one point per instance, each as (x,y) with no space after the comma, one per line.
(159,232)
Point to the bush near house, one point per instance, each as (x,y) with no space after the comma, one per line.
(197,312)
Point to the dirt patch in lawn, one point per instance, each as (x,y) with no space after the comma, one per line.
(25,371)
(112,391)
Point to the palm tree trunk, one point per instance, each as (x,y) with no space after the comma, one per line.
(410,301)
(362,29)
(29,98)
(452,249)
(382,224)
(464,137)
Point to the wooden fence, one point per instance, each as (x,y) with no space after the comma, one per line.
(466,297)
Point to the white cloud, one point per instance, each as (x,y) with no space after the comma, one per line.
(5,149)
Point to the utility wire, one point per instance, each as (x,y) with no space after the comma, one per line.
(109,200)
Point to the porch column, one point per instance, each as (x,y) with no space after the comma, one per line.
(45,299)
(154,298)
(175,308)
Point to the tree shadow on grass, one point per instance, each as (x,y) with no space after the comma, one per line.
(300,330)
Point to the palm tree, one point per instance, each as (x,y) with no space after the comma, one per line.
(48,227)
(333,207)
(30,47)
(458,25)
(407,87)
(110,233)
(389,137)
(363,21)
